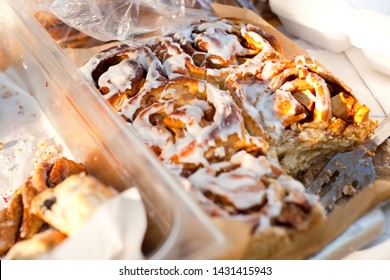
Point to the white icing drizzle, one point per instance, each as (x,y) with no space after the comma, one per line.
(286,96)
(238,185)
(91,65)
(179,123)
(322,98)
(241,185)
(193,141)
(118,78)
(268,117)
(153,135)
(216,37)
(175,60)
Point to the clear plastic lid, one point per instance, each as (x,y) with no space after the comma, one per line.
(108,20)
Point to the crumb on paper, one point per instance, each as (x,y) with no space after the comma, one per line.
(1,145)
(349,190)
(7,94)
(46,152)
(21,109)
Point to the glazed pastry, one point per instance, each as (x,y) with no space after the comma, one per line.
(313,115)
(67,206)
(208,50)
(191,124)
(254,189)
(235,121)
(121,72)
(222,43)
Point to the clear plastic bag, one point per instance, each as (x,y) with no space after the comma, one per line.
(108,20)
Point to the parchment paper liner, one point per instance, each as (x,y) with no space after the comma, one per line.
(277,243)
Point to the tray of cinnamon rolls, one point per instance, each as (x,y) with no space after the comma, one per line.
(234,119)
(237,121)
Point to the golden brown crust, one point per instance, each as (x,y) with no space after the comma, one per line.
(67,206)
(38,244)
(46,175)
(63,168)
(17,222)
(273,242)
(10,220)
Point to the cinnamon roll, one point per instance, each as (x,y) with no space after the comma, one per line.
(307,113)
(121,72)
(253,189)
(190,123)
(210,49)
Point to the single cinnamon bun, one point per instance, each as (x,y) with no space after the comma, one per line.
(190,123)
(254,189)
(121,72)
(308,114)
(211,48)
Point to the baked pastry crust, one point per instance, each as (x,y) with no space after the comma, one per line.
(313,115)
(25,235)
(46,175)
(67,206)
(33,247)
(10,220)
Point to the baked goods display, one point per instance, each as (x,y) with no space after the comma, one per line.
(52,204)
(232,118)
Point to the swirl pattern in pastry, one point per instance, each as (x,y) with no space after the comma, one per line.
(307,113)
(191,123)
(233,119)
